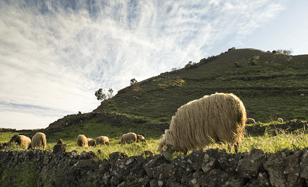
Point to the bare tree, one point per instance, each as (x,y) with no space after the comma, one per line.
(110,91)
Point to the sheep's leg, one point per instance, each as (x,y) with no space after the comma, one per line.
(185,152)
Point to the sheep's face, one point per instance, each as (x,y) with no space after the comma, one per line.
(167,150)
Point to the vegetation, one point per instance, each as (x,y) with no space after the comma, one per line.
(269,84)
(100,95)
(24,176)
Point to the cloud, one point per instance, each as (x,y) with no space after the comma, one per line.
(55,56)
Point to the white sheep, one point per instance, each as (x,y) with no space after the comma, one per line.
(102,140)
(216,118)
(82,140)
(129,138)
(280,120)
(38,140)
(250,121)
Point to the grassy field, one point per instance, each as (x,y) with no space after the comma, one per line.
(267,141)
(270,86)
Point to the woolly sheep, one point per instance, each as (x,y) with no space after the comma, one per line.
(250,121)
(129,138)
(140,138)
(91,142)
(21,140)
(82,140)
(216,118)
(302,95)
(102,140)
(280,120)
(38,140)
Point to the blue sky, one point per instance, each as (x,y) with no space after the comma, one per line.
(54,56)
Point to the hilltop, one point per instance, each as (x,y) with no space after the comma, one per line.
(269,84)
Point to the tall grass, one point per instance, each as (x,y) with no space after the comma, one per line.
(268,141)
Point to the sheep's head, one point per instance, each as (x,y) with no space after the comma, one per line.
(164,148)
(140,138)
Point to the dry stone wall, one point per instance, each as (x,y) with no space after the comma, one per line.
(212,167)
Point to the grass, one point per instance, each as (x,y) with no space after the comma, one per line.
(271,87)
(268,141)
(268,84)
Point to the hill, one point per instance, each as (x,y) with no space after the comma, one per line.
(269,84)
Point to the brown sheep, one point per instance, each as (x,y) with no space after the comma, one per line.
(21,140)
(140,138)
(250,121)
(211,119)
(102,140)
(82,140)
(129,138)
(60,141)
(38,140)
(91,142)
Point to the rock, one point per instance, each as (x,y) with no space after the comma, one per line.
(250,165)
(153,163)
(171,183)
(283,168)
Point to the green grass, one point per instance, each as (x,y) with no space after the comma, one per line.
(268,141)
(268,84)
(272,87)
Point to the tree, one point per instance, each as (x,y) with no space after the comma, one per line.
(110,91)
(100,94)
(133,81)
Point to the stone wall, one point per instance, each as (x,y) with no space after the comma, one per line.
(212,167)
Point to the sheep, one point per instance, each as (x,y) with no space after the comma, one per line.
(129,138)
(280,120)
(82,140)
(102,140)
(91,142)
(213,118)
(60,141)
(250,121)
(38,140)
(140,138)
(59,147)
(21,140)
(302,95)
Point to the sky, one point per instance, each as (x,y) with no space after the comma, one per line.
(55,54)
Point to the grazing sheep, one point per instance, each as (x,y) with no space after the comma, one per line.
(60,141)
(91,142)
(129,138)
(250,121)
(82,140)
(59,147)
(211,119)
(302,95)
(140,138)
(38,140)
(21,140)
(280,120)
(102,140)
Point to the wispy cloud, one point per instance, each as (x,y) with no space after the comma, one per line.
(53,57)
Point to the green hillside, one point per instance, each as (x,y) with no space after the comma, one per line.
(270,85)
